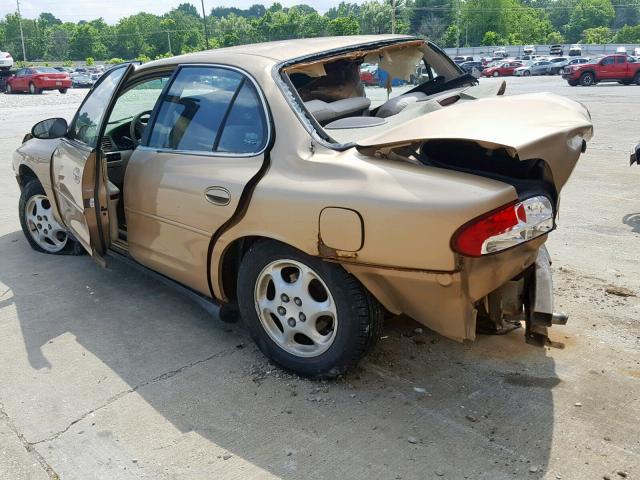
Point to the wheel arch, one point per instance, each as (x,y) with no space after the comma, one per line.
(224,270)
(592,72)
(25,174)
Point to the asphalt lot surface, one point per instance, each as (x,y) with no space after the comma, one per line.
(107,374)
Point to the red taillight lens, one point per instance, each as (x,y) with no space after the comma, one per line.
(515,223)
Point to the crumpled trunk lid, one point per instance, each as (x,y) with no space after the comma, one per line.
(533,126)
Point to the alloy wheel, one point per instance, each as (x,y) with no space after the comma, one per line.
(296,308)
(32,89)
(44,229)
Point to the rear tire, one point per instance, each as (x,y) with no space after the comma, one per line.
(496,74)
(636,79)
(43,232)
(526,73)
(33,90)
(8,90)
(62,90)
(307,315)
(587,79)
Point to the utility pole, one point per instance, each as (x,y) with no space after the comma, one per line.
(169,40)
(458,29)
(204,20)
(393,16)
(24,50)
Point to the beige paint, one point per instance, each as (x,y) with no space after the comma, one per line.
(341,229)
(170,222)
(408,212)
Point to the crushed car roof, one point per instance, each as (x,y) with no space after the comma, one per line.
(282,50)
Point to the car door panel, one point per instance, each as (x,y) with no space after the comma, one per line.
(78,176)
(67,167)
(170,221)
(206,141)
(607,69)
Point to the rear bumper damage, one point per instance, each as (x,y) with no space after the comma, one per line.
(491,295)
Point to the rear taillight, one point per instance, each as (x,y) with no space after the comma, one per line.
(506,227)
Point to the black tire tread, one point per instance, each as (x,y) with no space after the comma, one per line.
(31,188)
(366,311)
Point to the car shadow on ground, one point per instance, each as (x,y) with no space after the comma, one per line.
(418,407)
(632,220)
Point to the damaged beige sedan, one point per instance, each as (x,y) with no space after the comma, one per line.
(263,181)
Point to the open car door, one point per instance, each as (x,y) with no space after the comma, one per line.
(78,171)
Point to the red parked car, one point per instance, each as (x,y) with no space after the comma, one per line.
(37,79)
(369,75)
(612,68)
(501,70)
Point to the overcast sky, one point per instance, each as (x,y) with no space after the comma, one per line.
(112,10)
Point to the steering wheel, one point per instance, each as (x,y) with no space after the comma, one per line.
(138,125)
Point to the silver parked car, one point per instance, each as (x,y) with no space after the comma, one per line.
(539,67)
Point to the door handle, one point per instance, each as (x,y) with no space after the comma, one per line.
(218,196)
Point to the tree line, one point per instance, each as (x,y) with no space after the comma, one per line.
(449,23)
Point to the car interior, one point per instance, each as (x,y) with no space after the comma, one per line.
(124,131)
(331,93)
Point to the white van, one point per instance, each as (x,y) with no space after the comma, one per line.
(529,50)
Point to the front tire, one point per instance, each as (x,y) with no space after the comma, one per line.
(587,79)
(8,90)
(43,232)
(496,74)
(307,315)
(62,90)
(526,73)
(636,79)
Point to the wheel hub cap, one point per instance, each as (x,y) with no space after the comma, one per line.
(47,233)
(296,308)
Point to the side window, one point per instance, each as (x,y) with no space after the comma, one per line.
(199,107)
(87,121)
(608,61)
(620,59)
(245,130)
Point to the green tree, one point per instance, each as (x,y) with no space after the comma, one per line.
(627,13)
(560,13)
(554,37)
(344,26)
(597,35)
(491,39)
(430,18)
(375,17)
(628,34)
(589,14)
(480,16)
(235,30)
(450,37)
(84,42)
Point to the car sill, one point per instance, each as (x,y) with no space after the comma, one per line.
(209,305)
